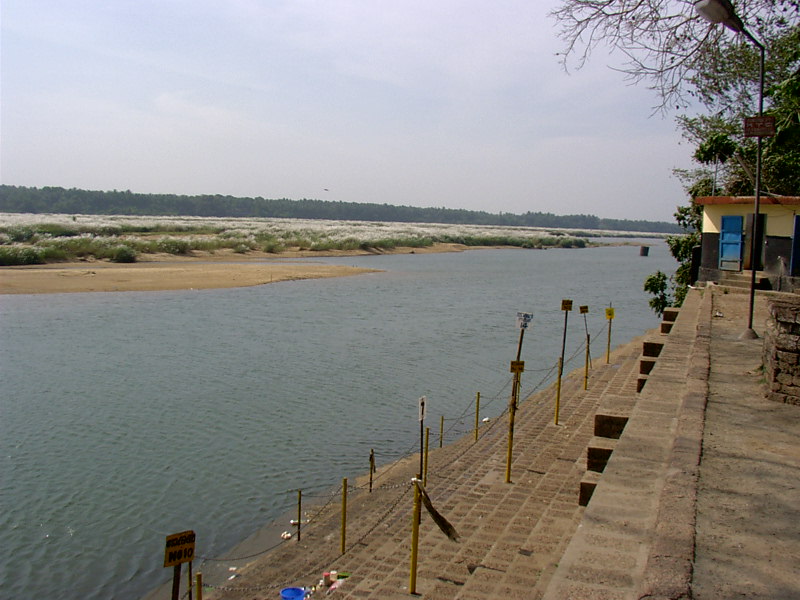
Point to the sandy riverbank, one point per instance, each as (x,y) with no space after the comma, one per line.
(223,269)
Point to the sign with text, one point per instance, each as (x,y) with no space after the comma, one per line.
(179,549)
(609,313)
(523,320)
(759,126)
(422,406)
(584,309)
(517,366)
(566,305)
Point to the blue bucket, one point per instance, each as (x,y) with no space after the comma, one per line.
(292,594)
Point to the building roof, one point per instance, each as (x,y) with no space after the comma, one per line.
(775,200)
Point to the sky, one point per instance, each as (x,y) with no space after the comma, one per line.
(457,104)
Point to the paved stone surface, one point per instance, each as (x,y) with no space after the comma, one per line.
(661,522)
(748,509)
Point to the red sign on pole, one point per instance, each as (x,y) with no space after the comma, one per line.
(759,126)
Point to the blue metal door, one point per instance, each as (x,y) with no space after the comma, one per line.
(730,243)
(794,268)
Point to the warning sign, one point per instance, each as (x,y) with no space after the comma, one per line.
(179,549)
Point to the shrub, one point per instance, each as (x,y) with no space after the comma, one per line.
(173,246)
(123,254)
(20,255)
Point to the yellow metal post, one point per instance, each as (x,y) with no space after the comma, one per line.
(344,515)
(415,518)
(425,469)
(199,585)
(610,317)
(441,431)
(512,411)
(477,413)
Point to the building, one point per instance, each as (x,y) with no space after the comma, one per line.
(728,234)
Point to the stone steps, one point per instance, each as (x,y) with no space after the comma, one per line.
(512,535)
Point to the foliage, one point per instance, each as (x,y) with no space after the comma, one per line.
(656,284)
(123,254)
(20,255)
(26,243)
(59,200)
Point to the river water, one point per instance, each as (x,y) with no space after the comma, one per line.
(126,417)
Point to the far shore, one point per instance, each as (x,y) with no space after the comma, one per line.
(200,270)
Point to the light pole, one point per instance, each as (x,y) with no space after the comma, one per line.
(721,11)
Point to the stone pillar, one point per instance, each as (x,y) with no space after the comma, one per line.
(782,351)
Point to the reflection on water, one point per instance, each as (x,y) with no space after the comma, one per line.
(129,416)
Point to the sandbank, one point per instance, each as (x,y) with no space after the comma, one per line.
(200,270)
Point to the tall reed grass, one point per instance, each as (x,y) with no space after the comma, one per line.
(32,239)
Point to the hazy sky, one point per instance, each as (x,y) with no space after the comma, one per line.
(461,104)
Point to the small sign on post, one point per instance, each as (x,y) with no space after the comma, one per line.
(609,313)
(517,366)
(759,126)
(566,304)
(422,402)
(523,320)
(179,548)
(584,309)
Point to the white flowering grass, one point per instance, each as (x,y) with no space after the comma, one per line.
(58,236)
(362,230)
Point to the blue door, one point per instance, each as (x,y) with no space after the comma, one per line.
(730,243)
(794,268)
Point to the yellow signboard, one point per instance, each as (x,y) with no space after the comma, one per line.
(584,309)
(179,549)
(517,366)
(566,305)
(609,313)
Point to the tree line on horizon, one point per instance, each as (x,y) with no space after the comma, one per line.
(19,199)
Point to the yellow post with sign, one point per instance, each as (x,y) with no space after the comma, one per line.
(517,367)
(610,317)
(179,549)
(566,306)
(584,310)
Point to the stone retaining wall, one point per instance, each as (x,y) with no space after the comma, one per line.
(782,351)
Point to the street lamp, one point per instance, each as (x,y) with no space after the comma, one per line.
(721,11)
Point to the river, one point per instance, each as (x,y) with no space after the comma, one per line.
(126,417)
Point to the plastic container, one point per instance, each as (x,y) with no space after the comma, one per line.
(293,593)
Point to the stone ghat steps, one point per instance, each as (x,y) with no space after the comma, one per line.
(512,535)
(636,535)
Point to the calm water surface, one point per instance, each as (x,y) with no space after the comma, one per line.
(129,416)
